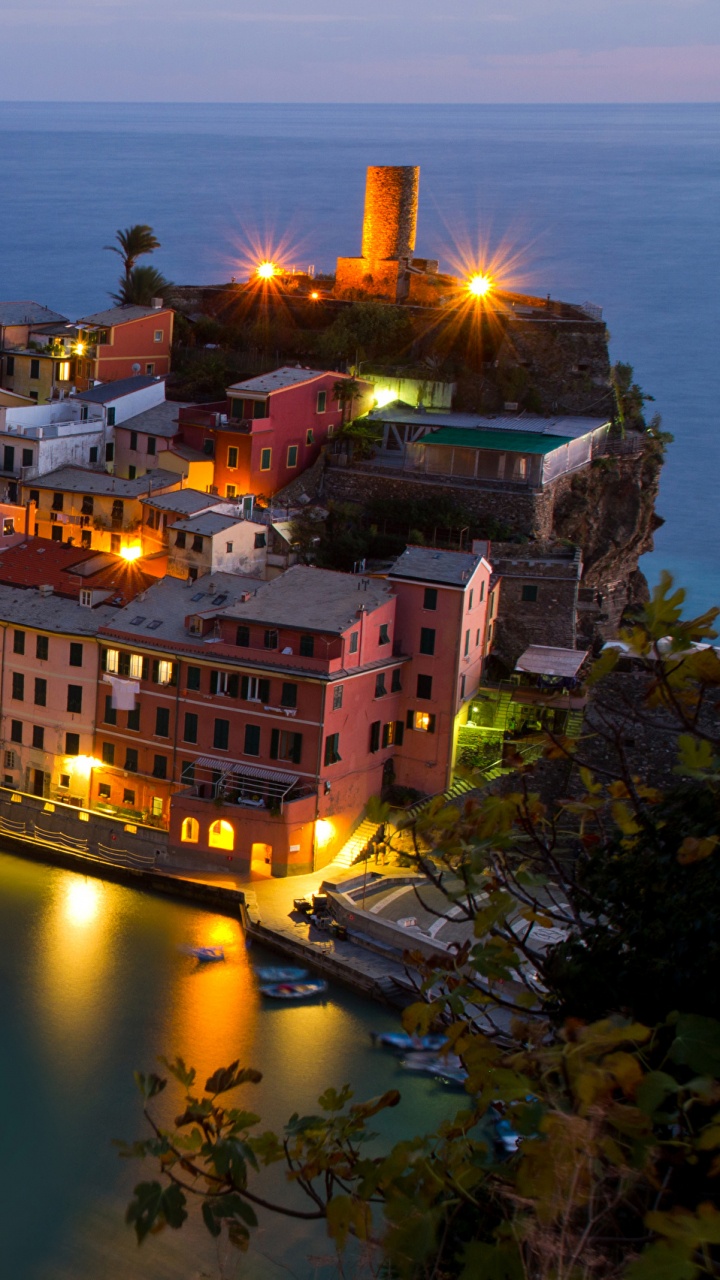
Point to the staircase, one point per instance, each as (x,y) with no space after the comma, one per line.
(355,843)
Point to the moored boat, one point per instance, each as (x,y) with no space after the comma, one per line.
(206,954)
(401,1042)
(276,973)
(294,990)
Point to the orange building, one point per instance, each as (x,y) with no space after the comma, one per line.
(123,342)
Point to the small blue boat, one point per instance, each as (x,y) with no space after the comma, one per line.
(275,973)
(294,990)
(206,954)
(401,1042)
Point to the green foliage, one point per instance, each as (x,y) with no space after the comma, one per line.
(366,330)
(140,286)
(133,243)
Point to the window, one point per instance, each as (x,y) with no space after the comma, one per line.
(462,688)
(27,457)
(190,831)
(162,722)
(242,637)
(34,369)
(10,366)
(56,535)
(128,796)
(110,714)
(157,807)
(380,689)
(253,689)
(86,538)
(187,773)
(72,744)
(396,685)
(111,421)
(265,459)
(427,640)
(8,527)
(430,598)
(252,740)
(337,697)
(41,648)
(288,695)
(221,835)
(86,597)
(158,335)
(321,401)
(354,641)
(76,654)
(529,594)
(197,542)
(292,455)
(221,735)
(132,473)
(115,547)
(260,541)
(224,682)
(332,748)
(133,720)
(232,458)
(467,643)
(104,791)
(74,698)
(482,592)
(193,678)
(57,501)
(18,686)
(424,686)
(159,767)
(135,667)
(163,672)
(131,759)
(307,646)
(231,491)
(152,446)
(491,605)
(285,746)
(470,601)
(190,727)
(388,734)
(38,737)
(112,660)
(108,753)
(40,692)
(375,735)
(180,540)
(421,720)
(271,640)
(150,369)
(384,637)
(16,731)
(64,781)
(133,441)
(309,437)
(18,642)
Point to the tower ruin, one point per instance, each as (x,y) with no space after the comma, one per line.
(388,237)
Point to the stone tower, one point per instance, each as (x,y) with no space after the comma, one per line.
(391,204)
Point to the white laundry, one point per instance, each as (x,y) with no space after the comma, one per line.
(124,693)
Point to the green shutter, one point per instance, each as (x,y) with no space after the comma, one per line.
(274,744)
(232,686)
(264,690)
(244,688)
(297,748)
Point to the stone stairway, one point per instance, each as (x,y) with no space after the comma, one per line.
(355,844)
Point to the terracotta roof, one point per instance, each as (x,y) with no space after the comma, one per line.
(40,562)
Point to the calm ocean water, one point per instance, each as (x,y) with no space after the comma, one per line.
(616,205)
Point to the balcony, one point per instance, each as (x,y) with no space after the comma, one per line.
(248,786)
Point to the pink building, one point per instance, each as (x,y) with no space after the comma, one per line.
(269,430)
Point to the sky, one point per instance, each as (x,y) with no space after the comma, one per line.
(360,50)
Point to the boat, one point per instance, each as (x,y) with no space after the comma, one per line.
(206,954)
(448,1068)
(401,1042)
(294,990)
(275,973)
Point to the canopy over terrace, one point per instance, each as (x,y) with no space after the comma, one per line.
(252,785)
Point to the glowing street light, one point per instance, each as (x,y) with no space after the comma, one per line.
(479,285)
(266,270)
(131,553)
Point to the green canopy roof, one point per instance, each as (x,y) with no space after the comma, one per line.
(501,441)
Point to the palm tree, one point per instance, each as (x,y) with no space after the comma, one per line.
(140,286)
(133,243)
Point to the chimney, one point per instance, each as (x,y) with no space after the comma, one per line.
(46,589)
(156,304)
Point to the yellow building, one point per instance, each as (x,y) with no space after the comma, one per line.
(93,509)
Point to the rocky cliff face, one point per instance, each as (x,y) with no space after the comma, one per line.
(608,511)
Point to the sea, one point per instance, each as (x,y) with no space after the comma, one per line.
(614,205)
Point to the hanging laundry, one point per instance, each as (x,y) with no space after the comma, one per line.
(124,693)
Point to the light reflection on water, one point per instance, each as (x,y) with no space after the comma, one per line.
(94,984)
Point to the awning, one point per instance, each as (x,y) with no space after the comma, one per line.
(545,660)
(278,781)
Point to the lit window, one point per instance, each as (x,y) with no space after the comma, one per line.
(221,835)
(422,721)
(112,660)
(190,831)
(157,807)
(165,672)
(135,669)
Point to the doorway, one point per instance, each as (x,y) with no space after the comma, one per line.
(37,786)
(261,859)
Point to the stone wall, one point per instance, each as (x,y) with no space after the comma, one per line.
(553,574)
